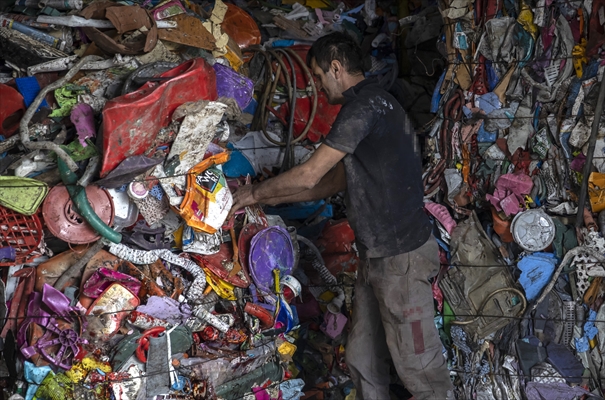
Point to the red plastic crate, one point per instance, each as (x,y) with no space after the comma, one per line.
(21,232)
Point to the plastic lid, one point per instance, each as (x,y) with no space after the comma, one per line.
(270,249)
(65,223)
(137,190)
(533,230)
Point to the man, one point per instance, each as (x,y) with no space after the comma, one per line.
(371,153)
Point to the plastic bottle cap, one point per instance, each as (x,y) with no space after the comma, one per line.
(137,190)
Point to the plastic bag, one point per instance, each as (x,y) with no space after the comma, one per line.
(208,198)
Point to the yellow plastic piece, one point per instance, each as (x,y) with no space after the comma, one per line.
(596,191)
(77,373)
(286,349)
(79,370)
(91,363)
(222,288)
(234,57)
(178,237)
(528,201)
(526,19)
(579,57)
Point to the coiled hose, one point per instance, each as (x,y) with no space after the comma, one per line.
(261,116)
(326,276)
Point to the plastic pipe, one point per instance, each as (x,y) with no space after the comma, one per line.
(264,316)
(78,196)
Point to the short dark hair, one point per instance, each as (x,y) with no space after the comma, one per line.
(337,46)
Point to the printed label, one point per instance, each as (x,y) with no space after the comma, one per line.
(208,180)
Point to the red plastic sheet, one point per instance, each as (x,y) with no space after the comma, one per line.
(132,122)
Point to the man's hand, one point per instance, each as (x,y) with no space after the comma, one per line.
(243,197)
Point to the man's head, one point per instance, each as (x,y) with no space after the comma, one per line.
(336,64)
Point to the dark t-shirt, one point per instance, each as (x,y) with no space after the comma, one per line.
(384,173)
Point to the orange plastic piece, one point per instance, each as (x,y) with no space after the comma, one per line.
(187,210)
(241,27)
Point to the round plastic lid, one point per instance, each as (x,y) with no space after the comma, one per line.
(66,224)
(533,230)
(137,190)
(271,248)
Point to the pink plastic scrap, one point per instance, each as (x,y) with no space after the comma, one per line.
(510,193)
(442,215)
(82,116)
(333,324)
(104,277)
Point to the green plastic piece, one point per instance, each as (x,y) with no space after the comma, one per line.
(237,388)
(55,387)
(23,195)
(67,98)
(79,152)
(448,317)
(78,196)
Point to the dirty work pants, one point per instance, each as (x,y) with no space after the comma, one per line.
(393,319)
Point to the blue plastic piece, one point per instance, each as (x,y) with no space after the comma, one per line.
(283,43)
(489,102)
(564,138)
(492,78)
(536,271)
(157,192)
(301,210)
(238,165)
(180,383)
(2,139)
(590,331)
(34,376)
(536,120)
(467,112)
(437,94)
(29,89)
(251,107)
(484,136)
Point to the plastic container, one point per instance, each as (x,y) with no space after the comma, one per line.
(533,230)
(126,211)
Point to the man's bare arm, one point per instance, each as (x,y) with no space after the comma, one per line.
(301,178)
(333,182)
